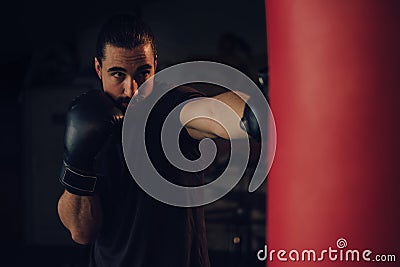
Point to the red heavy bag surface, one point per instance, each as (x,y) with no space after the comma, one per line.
(334,69)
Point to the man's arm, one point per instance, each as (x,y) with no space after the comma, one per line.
(206,118)
(81,215)
(91,123)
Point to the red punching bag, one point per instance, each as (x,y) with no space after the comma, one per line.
(334,187)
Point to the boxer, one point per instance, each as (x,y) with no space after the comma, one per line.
(102,205)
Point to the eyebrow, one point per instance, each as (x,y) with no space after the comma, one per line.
(143,67)
(112,69)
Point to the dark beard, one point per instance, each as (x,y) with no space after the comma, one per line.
(122,100)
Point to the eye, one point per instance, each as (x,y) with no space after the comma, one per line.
(142,76)
(118,75)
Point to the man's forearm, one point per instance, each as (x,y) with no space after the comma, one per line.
(230,120)
(217,116)
(81,215)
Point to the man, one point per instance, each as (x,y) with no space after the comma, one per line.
(102,205)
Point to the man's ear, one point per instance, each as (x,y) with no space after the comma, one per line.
(155,65)
(97,67)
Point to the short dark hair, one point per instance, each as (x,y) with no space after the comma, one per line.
(124,31)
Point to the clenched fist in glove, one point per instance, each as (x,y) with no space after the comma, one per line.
(93,120)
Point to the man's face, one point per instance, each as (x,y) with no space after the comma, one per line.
(124,70)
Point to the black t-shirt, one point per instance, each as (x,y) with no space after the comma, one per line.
(138,230)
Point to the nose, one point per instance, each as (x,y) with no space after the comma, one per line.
(130,87)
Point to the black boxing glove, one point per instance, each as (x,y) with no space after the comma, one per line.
(249,122)
(92,121)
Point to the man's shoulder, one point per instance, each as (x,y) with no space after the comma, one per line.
(179,95)
(187,92)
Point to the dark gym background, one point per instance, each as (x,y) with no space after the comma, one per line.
(47,50)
